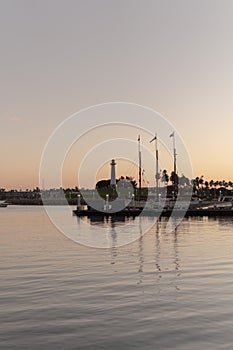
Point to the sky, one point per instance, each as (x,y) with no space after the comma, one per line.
(58,57)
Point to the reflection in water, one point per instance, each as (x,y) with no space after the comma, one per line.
(140,254)
(165,268)
(114,240)
(176,258)
(176,252)
(106,221)
(157,251)
(162,241)
(109,222)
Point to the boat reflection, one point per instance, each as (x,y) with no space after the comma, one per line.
(110,221)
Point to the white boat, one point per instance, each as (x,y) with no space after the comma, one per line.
(226,199)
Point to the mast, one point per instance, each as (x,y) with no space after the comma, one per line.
(174,150)
(175,169)
(156,165)
(139,167)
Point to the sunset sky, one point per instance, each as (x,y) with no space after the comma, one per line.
(58,57)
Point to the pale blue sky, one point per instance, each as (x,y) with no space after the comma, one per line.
(60,56)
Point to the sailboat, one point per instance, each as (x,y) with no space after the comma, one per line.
(3,204)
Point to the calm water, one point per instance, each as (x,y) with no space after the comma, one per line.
(164,291)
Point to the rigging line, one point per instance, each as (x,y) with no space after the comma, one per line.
(132,167)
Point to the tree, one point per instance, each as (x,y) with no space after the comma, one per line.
(184,181)
(201,181)
(103,184)
(196,185)
(174,178)
(165,177)
(211,183)
(206,184)
(175,181)
(134,183)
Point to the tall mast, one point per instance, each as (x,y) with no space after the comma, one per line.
(174,150)
(156,165)
(175,169)
(139,166)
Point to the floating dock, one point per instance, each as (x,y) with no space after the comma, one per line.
(130,212)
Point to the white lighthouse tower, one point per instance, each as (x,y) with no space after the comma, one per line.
(113,173)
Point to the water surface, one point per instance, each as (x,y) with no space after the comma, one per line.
(164,291)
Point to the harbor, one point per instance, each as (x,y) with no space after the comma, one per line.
(212,210)
(167,201)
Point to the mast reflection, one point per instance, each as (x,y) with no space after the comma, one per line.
(140,253)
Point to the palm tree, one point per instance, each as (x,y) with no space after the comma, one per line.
(216,184)
(225,184)
(211,183)
(175,180)
(165,177)
(212,191)
(201,181)
(196,185)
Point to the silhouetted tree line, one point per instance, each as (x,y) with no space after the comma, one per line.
(201,188)
(107,183)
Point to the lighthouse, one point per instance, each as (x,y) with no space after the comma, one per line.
(113,173)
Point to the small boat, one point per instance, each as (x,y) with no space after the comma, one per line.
(3,204)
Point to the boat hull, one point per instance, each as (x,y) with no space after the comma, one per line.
(3,205)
